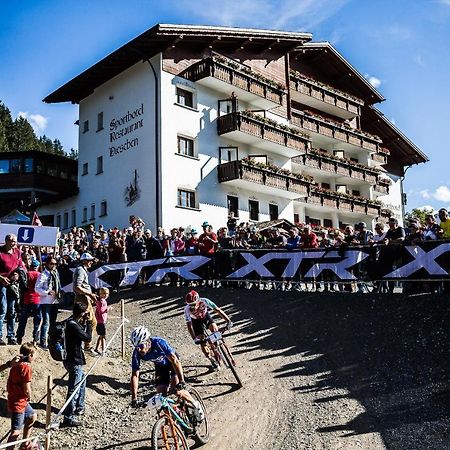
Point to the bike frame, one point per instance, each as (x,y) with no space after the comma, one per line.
(167,408)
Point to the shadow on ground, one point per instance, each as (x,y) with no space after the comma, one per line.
(390,353)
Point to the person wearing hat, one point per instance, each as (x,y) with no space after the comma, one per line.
(83,291)
(30,304)
(207,241)
(395,234)
(363,235)
(192,242)
(415,234)
(153,246)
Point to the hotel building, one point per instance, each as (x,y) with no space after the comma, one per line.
(189,123)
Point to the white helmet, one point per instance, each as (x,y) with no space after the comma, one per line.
(139,335)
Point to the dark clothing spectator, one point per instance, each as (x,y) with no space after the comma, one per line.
(231,225)
(136,250)
(191,246)
(293,242)
(153,247)
(395,233)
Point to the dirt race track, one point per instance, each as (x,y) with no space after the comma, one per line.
(320,371)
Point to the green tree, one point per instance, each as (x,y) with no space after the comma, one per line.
(58,148)
(419,213)
(22,136)
(73,154)
(45,144)
(6,126)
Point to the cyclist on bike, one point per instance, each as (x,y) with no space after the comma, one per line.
(196,313)
(168,368)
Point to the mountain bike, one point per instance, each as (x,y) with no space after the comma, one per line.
(220,350)
(177,422)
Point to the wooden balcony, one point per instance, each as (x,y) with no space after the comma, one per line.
(333,201)
(254,178)
(324,98)
(382,186)
(345,169)
(271,136)
(228,76)
(379,159)
(325,132)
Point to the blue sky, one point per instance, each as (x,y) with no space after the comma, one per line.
(401,46)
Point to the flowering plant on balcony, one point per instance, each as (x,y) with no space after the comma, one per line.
(325,86)
(274,124)
(335,123)
(343,160)
(384,151)
(275,169)
(247,70)
(384,181)
(345,195)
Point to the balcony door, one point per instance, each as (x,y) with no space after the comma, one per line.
(273,211)
(233,205)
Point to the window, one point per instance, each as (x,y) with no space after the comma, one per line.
(185,146)
(258,158)
(233,205)
(341,188)
(66,220)
(85,169)
(58,220)
(15,166)
(356,193)
(253,209)
(325,185)
(84,219)
(186,199)
(273,211)
(315,222)
(74,218)
(296,218)
(185,98)
(99,164)
(103,208)
(28,165)
(354,160)
(100,121)
(328,223)
(4,166)
(85,126)
(92,216)
(339,153)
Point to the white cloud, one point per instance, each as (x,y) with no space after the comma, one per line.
(374,81)
(442,193)
(444,2)
(418,59)
(428,208)
(37,121)
(301,15)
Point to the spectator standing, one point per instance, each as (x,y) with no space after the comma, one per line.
(78,330)
(276,239)
(226,241)
(101,314)
(445,223)
(136,249)
(309,238)
(395,234)
(415,235)
(153,246)
(19,395)
(231,224)
(83,291)
(30,306)
(48,287)
(432,230)
(379,234)
(207,241)
(174,246)
(363,235)
(10,260)
(294,239)
(191,246)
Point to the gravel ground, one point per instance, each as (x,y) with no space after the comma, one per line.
(320,371)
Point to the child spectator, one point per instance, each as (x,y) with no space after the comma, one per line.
(101,314)
(19,394)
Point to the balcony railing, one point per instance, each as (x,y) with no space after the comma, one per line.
(239,170)
(351,106)
(264,129)
(235,75)
(379,158)
(336,167)
(341,203)
(336,131)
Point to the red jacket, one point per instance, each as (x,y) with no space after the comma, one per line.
(30,296)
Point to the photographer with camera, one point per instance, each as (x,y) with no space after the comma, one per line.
(78,330)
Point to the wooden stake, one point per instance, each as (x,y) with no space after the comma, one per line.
(48,416)
(122,315)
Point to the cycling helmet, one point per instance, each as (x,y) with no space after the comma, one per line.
(191,297)
(139,335)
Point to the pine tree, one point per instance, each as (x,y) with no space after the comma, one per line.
(6,126)
(73,154)
(22,136)
(58,148)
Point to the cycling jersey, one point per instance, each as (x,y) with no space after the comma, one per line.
(159,351)
(200,311)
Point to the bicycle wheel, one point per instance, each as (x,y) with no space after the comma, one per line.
(201,430)
(167,436)
(226,354)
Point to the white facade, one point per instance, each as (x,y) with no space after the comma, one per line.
(128,148)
